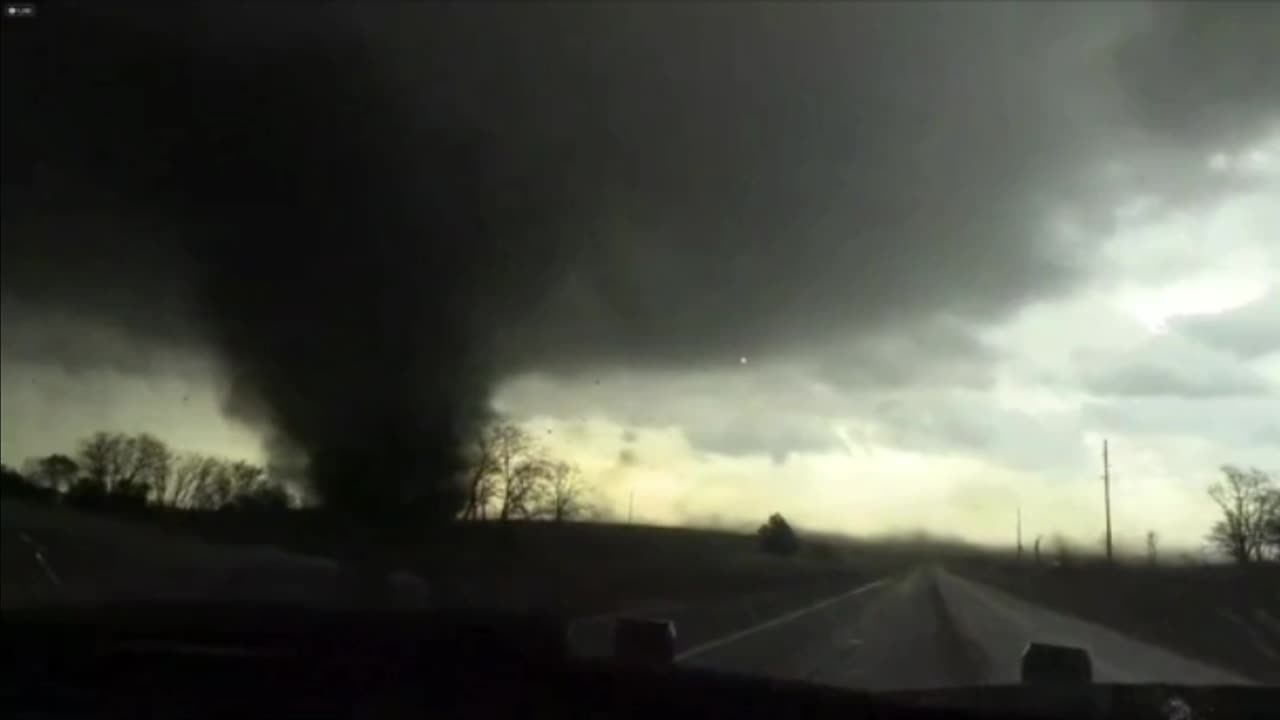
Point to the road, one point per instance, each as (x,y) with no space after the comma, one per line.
(927,628)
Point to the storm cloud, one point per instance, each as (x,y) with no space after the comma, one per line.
(1169,365)
(1250,331)
(372,216)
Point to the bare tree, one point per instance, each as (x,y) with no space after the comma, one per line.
(96,457)
(216,490)
(482,464)
(138,464)
(1248,501)
(523,489)
(563,497)
(517,471)
(193,474)
(56,472)
(221,483)
(1271,525)
(245,478)
(152,464)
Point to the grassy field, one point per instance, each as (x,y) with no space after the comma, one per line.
(1228,615)
(577,568)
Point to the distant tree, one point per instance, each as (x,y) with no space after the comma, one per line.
(56,472)
(126,464)
(97,458)
(525,490)
(152,464)
(1272,525)
(482,466)
(562,498)
(245,478)
(264,497)
(219,483)
(15,484)
(191,481)
(88,492)
(778,537)
(91,493)
(1248,501)
(11,479)
(518,472)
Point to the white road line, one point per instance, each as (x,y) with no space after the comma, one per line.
(38,552)
(711,645)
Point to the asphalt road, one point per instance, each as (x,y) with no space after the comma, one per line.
(928,629)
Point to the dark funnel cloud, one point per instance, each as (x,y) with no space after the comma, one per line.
(371,215)
(257,189)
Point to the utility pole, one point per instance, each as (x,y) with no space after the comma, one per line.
(1106,494)
(1019,533)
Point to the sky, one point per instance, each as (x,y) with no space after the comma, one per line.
(882,268)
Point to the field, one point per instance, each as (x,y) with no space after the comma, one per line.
(1225,614)
(573,568)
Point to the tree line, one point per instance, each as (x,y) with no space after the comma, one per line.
(122,471)
(509,477)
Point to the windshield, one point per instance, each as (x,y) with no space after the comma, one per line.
(865,342)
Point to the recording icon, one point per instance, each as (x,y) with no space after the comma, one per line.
(19,11)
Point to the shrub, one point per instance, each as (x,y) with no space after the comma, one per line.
(15,484)
(777,536)
(92,494)
(263,498)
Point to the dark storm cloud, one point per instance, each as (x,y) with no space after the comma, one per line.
(373,214)
(937,353)
(35,333)
(1198,70)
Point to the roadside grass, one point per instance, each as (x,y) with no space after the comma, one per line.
(575,568)
(1219,613)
